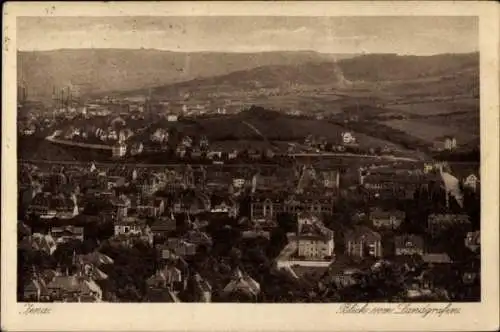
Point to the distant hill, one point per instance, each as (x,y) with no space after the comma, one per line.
(92,71)
(446,74)
(386,67)
(101,70)
(272,125)
(264,77)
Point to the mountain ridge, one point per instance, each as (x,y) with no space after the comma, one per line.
(98,71)
(270,77)
(101,70)
(373,68)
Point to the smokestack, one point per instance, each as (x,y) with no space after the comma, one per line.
(62,98)
(24,92)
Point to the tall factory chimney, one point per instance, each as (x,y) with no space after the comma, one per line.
(25,92)
(68,103)
(62,98)
(149,106)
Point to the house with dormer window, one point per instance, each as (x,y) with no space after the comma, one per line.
(265,208)
(314,240)
(408,244)
(386,219)
(132,229)
(363,242)
(472,182)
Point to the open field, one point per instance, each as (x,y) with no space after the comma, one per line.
(274,126)
(468,123)
(285,128)
(464,83)
(232,145)
(437,107)
(429,131)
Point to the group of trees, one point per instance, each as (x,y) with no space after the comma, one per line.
(384,284)
(254,256)
(468,155)
(34,261)
(127,276)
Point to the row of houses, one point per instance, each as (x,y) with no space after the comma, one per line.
(265,207)
(78,286)
(314,242)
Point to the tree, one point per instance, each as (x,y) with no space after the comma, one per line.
(132,267)
(277,242)
(64,254)
(287,222)
(235,256)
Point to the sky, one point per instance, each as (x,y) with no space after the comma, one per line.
(402,35)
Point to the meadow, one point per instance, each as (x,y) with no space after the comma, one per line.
(430,131)
(432,108)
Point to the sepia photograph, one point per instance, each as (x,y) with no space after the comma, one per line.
(249,159)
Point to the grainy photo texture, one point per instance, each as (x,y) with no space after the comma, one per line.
(248,159)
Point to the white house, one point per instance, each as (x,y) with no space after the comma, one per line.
(136,149)
(450,143)
(471,182)
(348,138)
(131,228)
(315,241)
(67,233)
(119,150)
(172,118)
(187,141)
(127,227)
(428,167)
(238,182)
(160,135)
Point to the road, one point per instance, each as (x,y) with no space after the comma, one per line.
(294,155)
(333,154)
(258,132)
(54,140)
(138,165)
(141,165)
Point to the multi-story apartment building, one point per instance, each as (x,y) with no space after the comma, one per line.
(363,242)
(314,240)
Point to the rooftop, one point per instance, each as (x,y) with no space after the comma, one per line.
(409,240)
(362,232)
(436,258)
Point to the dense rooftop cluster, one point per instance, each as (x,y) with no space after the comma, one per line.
(307,233)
